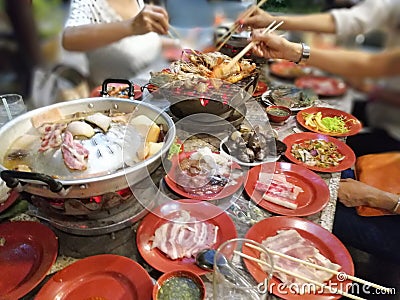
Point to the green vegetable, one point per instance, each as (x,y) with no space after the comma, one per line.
(335,124)
(175,149)
(179,288)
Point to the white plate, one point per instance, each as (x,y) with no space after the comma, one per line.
(266,101)
(222,152)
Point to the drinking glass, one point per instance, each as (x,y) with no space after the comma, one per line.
(16,107)
(234,276)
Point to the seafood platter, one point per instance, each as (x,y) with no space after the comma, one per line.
(205,82)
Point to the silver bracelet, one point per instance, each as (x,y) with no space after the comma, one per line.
(305,53)
(397,206)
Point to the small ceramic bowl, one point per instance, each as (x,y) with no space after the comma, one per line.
(188,276)
(278,113)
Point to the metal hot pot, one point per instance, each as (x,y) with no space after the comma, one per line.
(55,180)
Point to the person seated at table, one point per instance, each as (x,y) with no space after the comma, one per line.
(350,63)
(378,235)
(380,111)
(363,17)
(120,38)
(348,225)
(341,62)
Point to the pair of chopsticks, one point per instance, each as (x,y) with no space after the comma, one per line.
(321,285)
(173,33)
(225,37)
(235,59)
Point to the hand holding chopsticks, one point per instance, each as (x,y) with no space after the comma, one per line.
(269,29)
(223,39)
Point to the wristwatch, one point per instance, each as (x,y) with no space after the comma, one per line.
(305,53)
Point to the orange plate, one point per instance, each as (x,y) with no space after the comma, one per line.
(260,89)
(315,195)
(298,138)
(287,69)
(353,126)
(322,86)
(225,192)
(106,276)
(198,209)
(328,245)
(29,251)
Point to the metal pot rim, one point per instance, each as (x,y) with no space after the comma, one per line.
(124,171)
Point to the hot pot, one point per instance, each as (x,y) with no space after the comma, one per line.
(75,184)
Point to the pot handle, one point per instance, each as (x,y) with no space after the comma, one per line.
(104,93)
(11,179)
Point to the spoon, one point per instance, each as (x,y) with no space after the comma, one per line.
(205,260)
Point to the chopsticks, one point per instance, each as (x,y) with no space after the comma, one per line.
(175,34)
(269,29)
(321,285)
(350,277)
(224,38)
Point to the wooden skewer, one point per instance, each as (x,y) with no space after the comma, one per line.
(350,277)
(225,37)
(321,285)
(251,44)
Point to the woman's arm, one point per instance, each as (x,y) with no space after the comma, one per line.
(323,22)
(344,63)
(348,63)
(355,193)
(92,36)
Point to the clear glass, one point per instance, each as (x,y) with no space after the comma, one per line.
(232,278)
(15,104)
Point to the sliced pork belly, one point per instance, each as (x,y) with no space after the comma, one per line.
(291,243)
(278,190)
(184,236)
(74,154)
(51,136)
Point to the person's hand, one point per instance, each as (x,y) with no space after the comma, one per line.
(355,193)
(151,18)
(274,46)
(257,19)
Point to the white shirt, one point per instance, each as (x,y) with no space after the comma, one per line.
(370,15)
(364,17)
(122,59)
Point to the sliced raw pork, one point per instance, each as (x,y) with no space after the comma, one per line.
(291,243)
(74,154)
(184,236)
(51,136)
(279,191)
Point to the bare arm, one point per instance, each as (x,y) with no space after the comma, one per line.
(323,22)
(344,63)
(355,193)
(357,63)
(92,36)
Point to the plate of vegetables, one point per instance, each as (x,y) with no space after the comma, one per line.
(329,121)
(319,152)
